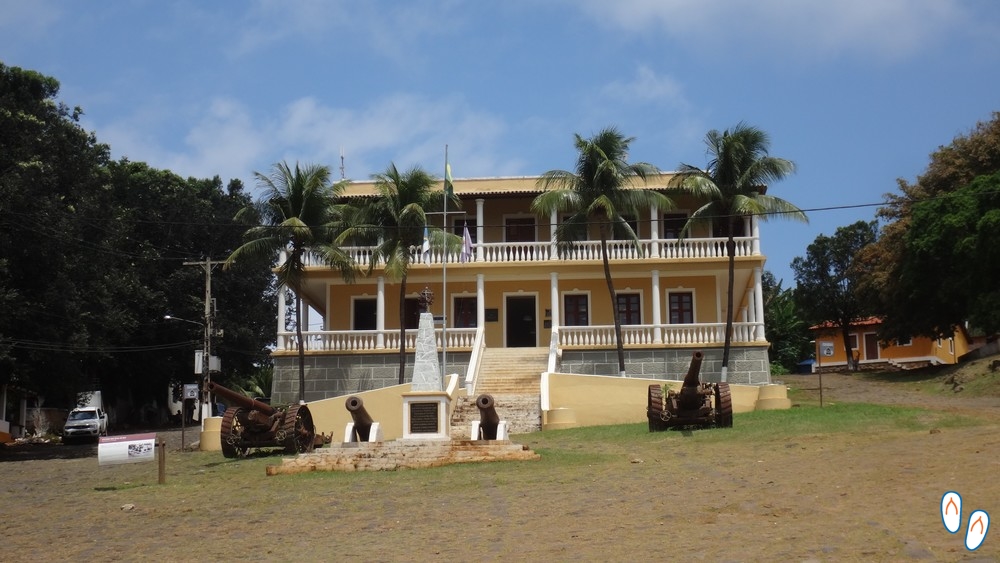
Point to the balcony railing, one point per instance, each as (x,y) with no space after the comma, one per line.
(337,341)
(541,251)
(649,335)
(369,340)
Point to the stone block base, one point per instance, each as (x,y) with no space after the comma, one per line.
(399,454)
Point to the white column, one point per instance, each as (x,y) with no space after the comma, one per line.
(281,307)
(657,330)
(554,292)
(755,233)
(479,230)
(758,302)
(380,312)
(481,301)
(654,230)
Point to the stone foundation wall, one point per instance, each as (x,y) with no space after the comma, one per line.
(335,376)
(747,365)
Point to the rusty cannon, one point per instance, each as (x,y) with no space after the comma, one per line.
(697,404)
(253,424)
(362,427)
(489,426)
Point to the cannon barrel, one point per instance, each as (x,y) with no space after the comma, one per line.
(691,379)
(240,399)
(362,420)
(489,420)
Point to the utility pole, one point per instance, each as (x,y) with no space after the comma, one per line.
(206,370)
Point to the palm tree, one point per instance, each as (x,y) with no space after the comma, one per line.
(395,221)
(597,191)
(296,213)
(735,185)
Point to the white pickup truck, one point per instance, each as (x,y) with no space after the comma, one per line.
(85,422)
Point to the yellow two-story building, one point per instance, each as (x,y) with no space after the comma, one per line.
(515,288)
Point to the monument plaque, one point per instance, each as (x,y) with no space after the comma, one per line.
(424,418)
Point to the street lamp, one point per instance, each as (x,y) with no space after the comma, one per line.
(206,372)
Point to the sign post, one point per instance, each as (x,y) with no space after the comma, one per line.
(825,349)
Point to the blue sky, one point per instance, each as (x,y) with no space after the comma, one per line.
(857,93)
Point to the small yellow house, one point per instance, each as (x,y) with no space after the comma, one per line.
(515,289)
(868,351)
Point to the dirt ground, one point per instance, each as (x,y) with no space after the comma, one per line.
(683,496)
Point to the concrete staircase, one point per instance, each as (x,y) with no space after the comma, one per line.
(512,376)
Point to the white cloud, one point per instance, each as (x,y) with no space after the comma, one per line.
(225,138)
(271,21)
(647,86)
(882,29)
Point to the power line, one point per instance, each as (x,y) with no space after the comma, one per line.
(39,346)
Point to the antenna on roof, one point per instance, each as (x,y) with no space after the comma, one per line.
(342,173)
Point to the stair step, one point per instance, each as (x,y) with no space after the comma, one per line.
(512,376)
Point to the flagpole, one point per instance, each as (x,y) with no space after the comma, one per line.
(444,272)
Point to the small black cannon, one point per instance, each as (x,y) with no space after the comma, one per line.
(695,405)
(361,429)
(489,420)
(253,424)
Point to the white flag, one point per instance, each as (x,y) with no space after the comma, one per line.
(427,246)
(466,245)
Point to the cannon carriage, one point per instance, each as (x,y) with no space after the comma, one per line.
(254,424)
(697,404)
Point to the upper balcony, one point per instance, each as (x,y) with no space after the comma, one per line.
(582,251)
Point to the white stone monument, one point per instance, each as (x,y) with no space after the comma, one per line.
(425,407)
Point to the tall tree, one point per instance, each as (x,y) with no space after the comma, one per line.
(952,167)
(52,212)
(598,191)
(395,220)
(951,264)
(827,279)
(735,184)
(297,215)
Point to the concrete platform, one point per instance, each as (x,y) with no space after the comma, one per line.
(402,454)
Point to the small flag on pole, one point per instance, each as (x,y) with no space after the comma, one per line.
(427,246)
(466,245)
(449,187)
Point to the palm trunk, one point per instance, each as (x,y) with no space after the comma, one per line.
(614,301)
(731,251)
(302,348)
(402,329)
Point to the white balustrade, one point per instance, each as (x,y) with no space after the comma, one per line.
(586,250)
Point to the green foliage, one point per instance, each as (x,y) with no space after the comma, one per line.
(786,331)
(295,215)
(92,259)
(395,221)
(735,184)
(952,262)
(595,192)
(909,294)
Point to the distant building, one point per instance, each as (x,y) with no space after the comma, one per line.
(868,351)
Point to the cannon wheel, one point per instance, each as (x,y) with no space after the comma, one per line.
(299,431)
(232,434)
(723,406)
